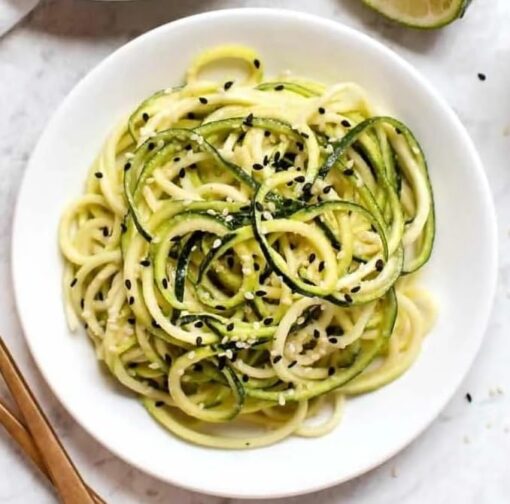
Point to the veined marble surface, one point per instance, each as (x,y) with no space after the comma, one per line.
(464,457)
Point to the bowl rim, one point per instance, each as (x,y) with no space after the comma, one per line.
(389,54)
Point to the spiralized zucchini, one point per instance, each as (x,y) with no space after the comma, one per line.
(242,253)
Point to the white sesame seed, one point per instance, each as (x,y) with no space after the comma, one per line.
(210,211)
(160,144)
(216,243)
(225,212)
(229,354)
(349,163)
(154,365)
(129,155)
(194,248)
(224,340)
(249,295)
(281,400)
(300,320)
(267,215)
(229,218)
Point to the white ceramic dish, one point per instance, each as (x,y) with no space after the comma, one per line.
(376,426)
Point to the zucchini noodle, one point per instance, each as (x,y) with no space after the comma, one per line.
(243,253)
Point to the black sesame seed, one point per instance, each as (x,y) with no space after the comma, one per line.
(261,293)
(256,62)
(182,173)
(242,135)
(230,261)
(279,87)
(151,145)
(482,76)
(258,206)
(379,265)
(248,121)
(221,362)
(316,333)
(468,397)
(100,296)
(305,135)
(230,326)
(188,147)
(327,189)
(398,131)
(300,145)
(307,187)
(98,174)
(277,156)
(311,257)
(331,371)
(290,183)
(73,282)
(131,321)
(158,404)
(321,266)
(145,116)
(300,178)
(268,321)
(246,378)
(177,159)
(155,325)
(333,341)
(267,133)
(199,324)
(356,289)
(348,298)
(82,303)
(265,161)
(258,166)
(131,300)
(123,227)
(199,340)
(164,283)
(228,85)
(220,307)
(345,123)
(105,232)
(322,110)
(256,267)
(349,172)
(127,166)
(191,115)
(292,364)
(203,100)
(277,359)
(145,263)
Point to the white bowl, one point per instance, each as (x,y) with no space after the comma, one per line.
(461,273)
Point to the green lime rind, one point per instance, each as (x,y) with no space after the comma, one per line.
(430,22)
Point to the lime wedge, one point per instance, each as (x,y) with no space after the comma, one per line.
(420,13)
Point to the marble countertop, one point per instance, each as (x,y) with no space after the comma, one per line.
(465,455)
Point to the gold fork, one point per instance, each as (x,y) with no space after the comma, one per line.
(38,438)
